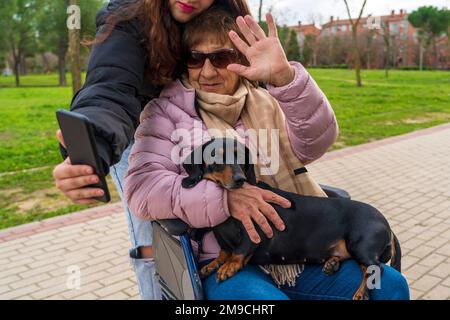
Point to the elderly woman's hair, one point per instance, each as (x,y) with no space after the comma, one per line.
(212,25)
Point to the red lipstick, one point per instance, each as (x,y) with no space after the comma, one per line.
(185,7)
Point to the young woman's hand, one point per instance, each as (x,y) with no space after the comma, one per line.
(72,180)
(252,203)
(268,62)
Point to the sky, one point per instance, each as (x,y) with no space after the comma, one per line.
(291,11)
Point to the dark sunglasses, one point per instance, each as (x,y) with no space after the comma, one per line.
(219,59)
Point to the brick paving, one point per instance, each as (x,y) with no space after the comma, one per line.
(406,177)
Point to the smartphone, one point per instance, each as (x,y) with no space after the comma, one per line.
(78,135)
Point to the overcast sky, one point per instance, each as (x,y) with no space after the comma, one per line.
(291,11)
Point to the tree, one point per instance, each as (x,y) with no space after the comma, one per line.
(431,24)
(309,50)
(18,35)
(283,34)
(260,11)
(293,49)
(6,9)
(53,34)
(74,52)
(356,53)
(387,46)
(52,25)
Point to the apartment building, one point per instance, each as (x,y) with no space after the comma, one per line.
(374,34)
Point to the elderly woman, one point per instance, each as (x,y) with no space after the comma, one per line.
(219,92)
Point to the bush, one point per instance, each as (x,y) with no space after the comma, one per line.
(331,66)
(413,68)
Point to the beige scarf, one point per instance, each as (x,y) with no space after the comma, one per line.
(258,110)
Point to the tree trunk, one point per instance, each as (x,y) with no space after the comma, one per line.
(356,53)
(62,50)
(17,71)
(23,65)
(386,61)
(357,57)
(435,53)
(260,10)
(46,63)
(74,53)
(421,58)
(16,53)
(330,51)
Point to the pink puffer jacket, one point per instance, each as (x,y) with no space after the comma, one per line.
(153,184)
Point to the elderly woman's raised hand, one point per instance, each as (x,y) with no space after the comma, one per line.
(268,62)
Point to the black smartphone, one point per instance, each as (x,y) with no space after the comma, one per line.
(78,135)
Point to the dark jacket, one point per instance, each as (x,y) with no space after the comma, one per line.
(115,90)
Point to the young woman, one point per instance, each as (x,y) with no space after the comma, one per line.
(217,96)
(137,50)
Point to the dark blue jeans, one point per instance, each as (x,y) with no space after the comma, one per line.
(252,283)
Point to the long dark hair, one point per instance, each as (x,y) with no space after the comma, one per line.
(162,32)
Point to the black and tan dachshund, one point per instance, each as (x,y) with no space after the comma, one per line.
(318,230)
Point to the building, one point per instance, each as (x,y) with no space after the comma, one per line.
(307,33)
(333,42)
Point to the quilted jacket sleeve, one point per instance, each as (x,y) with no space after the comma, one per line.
(310,120)
(153,184)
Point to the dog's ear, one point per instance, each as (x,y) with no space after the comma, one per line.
(194,168)
(195,176)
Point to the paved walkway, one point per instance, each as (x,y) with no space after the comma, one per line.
(406,177)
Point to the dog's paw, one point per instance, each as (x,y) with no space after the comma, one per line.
(331,266)
(227,270)
(361,295)
(207,270)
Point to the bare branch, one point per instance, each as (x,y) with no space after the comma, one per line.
(361,12)
(359,16)
(348,11)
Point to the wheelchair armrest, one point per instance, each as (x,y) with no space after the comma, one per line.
(333,192)
(175,227)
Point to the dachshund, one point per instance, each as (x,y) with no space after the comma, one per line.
(318,230)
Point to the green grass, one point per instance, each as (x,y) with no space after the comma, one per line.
(28,126)
(408,101)
(32,196)
(42,80)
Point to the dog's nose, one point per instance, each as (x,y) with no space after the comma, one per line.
(239,182)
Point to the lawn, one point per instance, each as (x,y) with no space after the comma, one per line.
(408,101)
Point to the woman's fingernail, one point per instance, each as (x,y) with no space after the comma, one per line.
(100,193)
(89,171)
(94,180)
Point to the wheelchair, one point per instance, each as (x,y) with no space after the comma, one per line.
(175,261)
